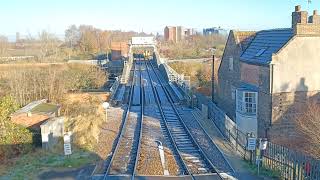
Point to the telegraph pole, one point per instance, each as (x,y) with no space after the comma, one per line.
(213,49)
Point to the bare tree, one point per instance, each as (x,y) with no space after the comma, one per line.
(72,36)
(308,125)
(4,45)
(49,44)
(29,83)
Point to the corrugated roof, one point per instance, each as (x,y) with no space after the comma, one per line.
(264,44)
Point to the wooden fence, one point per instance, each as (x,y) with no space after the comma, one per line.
(288,163)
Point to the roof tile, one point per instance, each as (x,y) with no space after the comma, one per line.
(271,40)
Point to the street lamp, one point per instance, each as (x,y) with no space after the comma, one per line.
(213,51)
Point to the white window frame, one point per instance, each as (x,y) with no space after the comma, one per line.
(246,102)
(230,63)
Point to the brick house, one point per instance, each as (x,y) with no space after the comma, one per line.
(266,77)
(119,50)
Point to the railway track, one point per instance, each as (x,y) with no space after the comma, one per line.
(192,159)
(188,155)
(124,158)
(153,134)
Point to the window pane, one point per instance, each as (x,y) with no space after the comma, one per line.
(249,102)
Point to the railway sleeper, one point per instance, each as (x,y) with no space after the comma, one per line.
(175,125)
(179,133)
(188,148)
(183,137)
(174,116)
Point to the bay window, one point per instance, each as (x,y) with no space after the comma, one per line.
(247,102)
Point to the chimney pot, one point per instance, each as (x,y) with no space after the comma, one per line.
(298,8)
(315,12)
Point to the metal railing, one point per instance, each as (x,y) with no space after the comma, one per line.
(182,81)
(284,162)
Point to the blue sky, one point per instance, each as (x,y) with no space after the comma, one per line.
(31,16)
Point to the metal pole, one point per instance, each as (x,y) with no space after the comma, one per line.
(212,79)
(258,167)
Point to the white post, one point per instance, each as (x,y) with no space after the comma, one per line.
(160,147)
(105,106)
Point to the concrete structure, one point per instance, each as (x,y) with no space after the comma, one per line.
(266,78)
(115,67)
(119,50)
(177,33)
(51,131)
(147,40)
(35,113)
(88,62)
(215,30)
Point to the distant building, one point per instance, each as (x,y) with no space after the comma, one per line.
(177,33)
(215,30)
(170,33)
(119,50)
(267,78)
(17,36)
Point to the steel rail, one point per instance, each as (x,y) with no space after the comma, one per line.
(157,98)
(121,136)
(141,121)
(184,125)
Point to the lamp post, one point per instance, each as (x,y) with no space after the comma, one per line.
(106,106)
(213,50)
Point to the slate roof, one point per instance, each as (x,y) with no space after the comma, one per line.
(246,86)
(244,38)
(264,44)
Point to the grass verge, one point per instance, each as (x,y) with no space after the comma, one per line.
(263,171)
(31,164)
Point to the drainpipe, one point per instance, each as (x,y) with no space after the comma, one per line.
(271,93)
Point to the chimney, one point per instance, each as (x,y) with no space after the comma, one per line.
(315,18)
(315,12)
(299,17)
(303,25)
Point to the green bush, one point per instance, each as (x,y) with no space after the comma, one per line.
(14,139)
